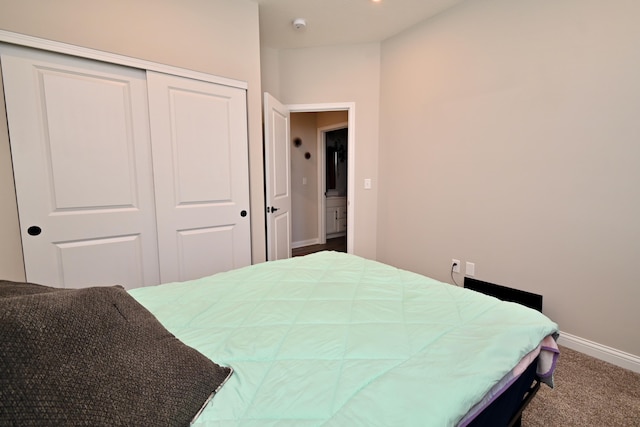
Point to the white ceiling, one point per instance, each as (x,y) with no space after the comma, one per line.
(331,22)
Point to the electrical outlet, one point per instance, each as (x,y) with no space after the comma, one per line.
(470,269)
(455,265)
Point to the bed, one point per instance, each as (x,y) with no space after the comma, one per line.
(328,339)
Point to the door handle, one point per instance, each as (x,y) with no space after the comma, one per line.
(273,209)
(34,230)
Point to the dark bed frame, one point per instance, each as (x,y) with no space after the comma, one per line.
(507,409)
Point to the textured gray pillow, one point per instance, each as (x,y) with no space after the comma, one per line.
(95,356)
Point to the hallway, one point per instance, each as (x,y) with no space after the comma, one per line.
(338,244)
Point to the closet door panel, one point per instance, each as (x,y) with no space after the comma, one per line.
(121,259)
(204,250)
(82,164)
(87,138)
(200,157)
(202,148)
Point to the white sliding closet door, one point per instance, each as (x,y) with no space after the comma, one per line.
(200,162)
(82,163)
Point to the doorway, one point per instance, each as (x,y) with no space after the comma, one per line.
(333,142)
(329,207)
(309,180)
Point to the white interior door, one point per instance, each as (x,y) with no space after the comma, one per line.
(201,170)
(277,178)
(82,167)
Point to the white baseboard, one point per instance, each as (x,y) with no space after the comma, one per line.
(599,351)
(303,243)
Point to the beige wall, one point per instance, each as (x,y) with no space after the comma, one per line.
(304,197)
(218,37)
(270,70)
(11,261)
(510,138)
(331,118)
(333,75)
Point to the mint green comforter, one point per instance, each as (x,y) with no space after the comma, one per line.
(332,339)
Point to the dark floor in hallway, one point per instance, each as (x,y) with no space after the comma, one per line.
(338,244)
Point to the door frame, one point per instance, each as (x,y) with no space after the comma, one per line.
(350,108)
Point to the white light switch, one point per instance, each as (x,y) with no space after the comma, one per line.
(367,183)
(304,180)
(470,269)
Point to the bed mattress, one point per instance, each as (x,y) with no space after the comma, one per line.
(332,339)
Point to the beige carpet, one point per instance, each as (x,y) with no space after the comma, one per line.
(588,392)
